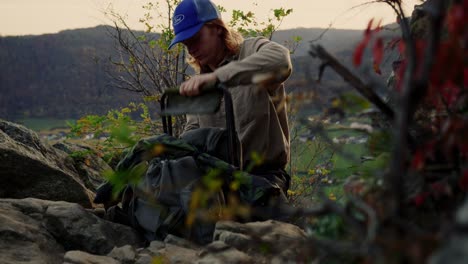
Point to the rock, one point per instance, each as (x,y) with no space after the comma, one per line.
(80,257)
(30,168)
(178,241)
(125,254)
(237,240)
(274,235)
(89,166)
(151,250)
(176,254)
(264,241)
(22,237)
(155,246)
(166,253)
(144,259)
(214,247)
(40,231)
(78,229)
(220,252)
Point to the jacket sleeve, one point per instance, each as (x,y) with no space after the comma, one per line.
(265,57)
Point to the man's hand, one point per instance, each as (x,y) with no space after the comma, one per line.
(195,84)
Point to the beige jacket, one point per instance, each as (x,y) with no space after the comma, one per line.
(260,112)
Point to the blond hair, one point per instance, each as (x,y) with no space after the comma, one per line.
(232,41)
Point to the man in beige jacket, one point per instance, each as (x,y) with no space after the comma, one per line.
(220,54)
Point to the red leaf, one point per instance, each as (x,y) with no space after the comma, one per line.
(378,27)
(401,47)
(450,92)
(378,50)
(417,162)
(369,27)
(440,188)
(429,148)
(463,182)
(455,19)
(464,150)
(465,77)
(358,52)
(420,198)
(399,67)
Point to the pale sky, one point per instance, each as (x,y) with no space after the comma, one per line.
(26,17)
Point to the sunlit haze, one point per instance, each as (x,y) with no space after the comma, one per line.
(25,17)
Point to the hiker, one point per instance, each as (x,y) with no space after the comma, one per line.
(160,202)
(221,55)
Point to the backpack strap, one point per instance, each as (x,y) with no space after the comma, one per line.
(166,119)
(234,146)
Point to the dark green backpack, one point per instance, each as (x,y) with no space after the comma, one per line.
(158,204)
(160,201)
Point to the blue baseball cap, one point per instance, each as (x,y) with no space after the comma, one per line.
(190,16)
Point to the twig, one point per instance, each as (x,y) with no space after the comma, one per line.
(321,34)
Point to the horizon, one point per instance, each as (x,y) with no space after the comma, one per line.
(31,18)
(104,25)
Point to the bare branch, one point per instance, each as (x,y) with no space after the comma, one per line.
(365,90)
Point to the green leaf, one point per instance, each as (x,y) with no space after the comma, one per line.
(120,179)
(371,167)
(152,44)
(123,134)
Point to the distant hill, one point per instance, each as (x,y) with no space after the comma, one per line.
(65,75)
(335,40)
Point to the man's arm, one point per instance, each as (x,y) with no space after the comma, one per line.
(268,57)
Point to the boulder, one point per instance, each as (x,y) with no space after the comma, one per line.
(125,254)
(22,238)
(88,164)
(40,231)
(31,168)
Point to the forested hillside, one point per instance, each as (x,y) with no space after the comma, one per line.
(66,75)
(60,75)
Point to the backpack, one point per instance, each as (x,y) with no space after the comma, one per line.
(166,199)
(161,201)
